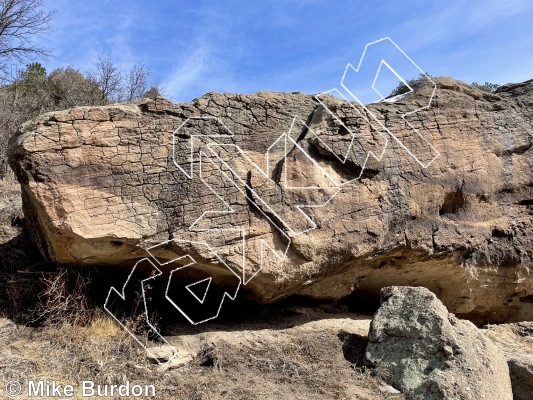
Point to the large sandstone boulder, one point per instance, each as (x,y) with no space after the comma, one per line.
(222,179)
(416,346)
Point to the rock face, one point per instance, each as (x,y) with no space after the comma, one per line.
(224,178)
(521,371)
(427,353)
(516,343)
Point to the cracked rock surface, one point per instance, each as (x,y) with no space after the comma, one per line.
(100,185)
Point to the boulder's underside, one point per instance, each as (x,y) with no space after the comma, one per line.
(450,210)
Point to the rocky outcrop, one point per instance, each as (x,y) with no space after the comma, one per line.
(449,210)
(416,346)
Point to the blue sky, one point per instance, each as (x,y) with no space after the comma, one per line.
(290,45)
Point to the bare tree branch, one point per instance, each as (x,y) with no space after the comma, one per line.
(21,22)
(109,79)
(135,84)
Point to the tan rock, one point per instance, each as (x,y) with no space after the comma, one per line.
(101,185)
(516,343)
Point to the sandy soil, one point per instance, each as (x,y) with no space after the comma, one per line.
(289,352)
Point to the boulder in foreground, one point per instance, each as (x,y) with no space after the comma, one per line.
(418,347)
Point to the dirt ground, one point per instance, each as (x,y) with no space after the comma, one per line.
(280,353)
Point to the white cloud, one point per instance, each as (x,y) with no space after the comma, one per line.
(185,77)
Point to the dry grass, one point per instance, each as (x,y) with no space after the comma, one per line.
(53,297)
(71,354)
(102,326)
(298,363)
